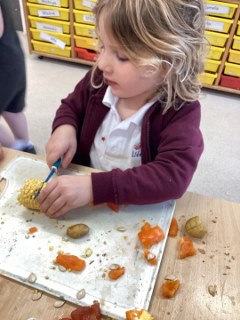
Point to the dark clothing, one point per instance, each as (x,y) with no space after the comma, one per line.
(171,147)
(12,67)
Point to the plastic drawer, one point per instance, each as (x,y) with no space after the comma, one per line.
(85,30)
(207,78)
(49,24)
(232,69)
(86,54)
(234,56)
(230,82)
(55,3)
(87,5)
(48,12)
(216,38)
(211,65)
(51,48)
(220,9)
(36,35)
(218,24)
(84,17)
(87,43)
(215,53)
(236,43)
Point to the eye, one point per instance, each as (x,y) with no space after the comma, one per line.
(121,57)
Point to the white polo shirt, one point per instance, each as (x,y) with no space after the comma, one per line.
(117,143)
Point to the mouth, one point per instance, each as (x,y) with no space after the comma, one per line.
(110,82)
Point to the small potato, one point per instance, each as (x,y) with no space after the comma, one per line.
(77,231)
(195,228)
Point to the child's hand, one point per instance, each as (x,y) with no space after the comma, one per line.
(65,193)
(62,143)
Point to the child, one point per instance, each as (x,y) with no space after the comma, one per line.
(12,86)
(135,115)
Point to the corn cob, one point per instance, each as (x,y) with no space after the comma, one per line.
(27,193)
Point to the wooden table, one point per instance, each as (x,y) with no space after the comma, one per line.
(217,262)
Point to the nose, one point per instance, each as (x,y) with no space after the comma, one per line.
(104,62)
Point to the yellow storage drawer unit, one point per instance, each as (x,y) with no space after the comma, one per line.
(84,17)
(48,12)
(218,24)
(87,5)
(236,43)
(51,48)
(238,29)
(87,43)
(211,65)
(207,78)
(232,69)
(220,9)
(85,30)
(234,56)
(52,37)
(216,38)
(56,3)
(49,24)
(215,53)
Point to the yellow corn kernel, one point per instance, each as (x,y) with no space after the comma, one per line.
(27,193)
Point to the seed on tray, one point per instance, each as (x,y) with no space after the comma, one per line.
(81,294)
(121,229)
(59,303)
(61,268)
(32,278)
(88,252)
(114,266)
(36,295)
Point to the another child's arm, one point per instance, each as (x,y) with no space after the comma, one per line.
(1,23)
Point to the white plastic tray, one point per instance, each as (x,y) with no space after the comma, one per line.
(21,256)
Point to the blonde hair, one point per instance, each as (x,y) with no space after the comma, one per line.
(167,35)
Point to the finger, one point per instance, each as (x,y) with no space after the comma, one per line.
(47,190)
(55,206)
(65,208)
(49,201)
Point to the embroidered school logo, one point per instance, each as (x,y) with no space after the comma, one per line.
(136,151)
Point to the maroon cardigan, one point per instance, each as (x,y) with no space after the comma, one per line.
(171,147)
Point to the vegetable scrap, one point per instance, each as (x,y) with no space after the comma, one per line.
(150,257)
(150,235)
(169,288)
(173,230)
(32,230)
(70,262)
(92,312)
(114,207)
(212,289)
(186,248)
(195,228)
(138,315)
(115,274)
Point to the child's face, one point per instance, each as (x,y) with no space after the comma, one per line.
(124,78)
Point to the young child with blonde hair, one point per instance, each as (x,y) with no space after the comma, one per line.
(135,115)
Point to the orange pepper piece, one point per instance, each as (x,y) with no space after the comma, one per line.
(169,288)
(138,314)
(150,235)
(116,273)
(70,262)
(173,230)
(114,207)
(151,258)
(186,248)
(32,230)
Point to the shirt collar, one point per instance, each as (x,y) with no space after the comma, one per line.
(110,101)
